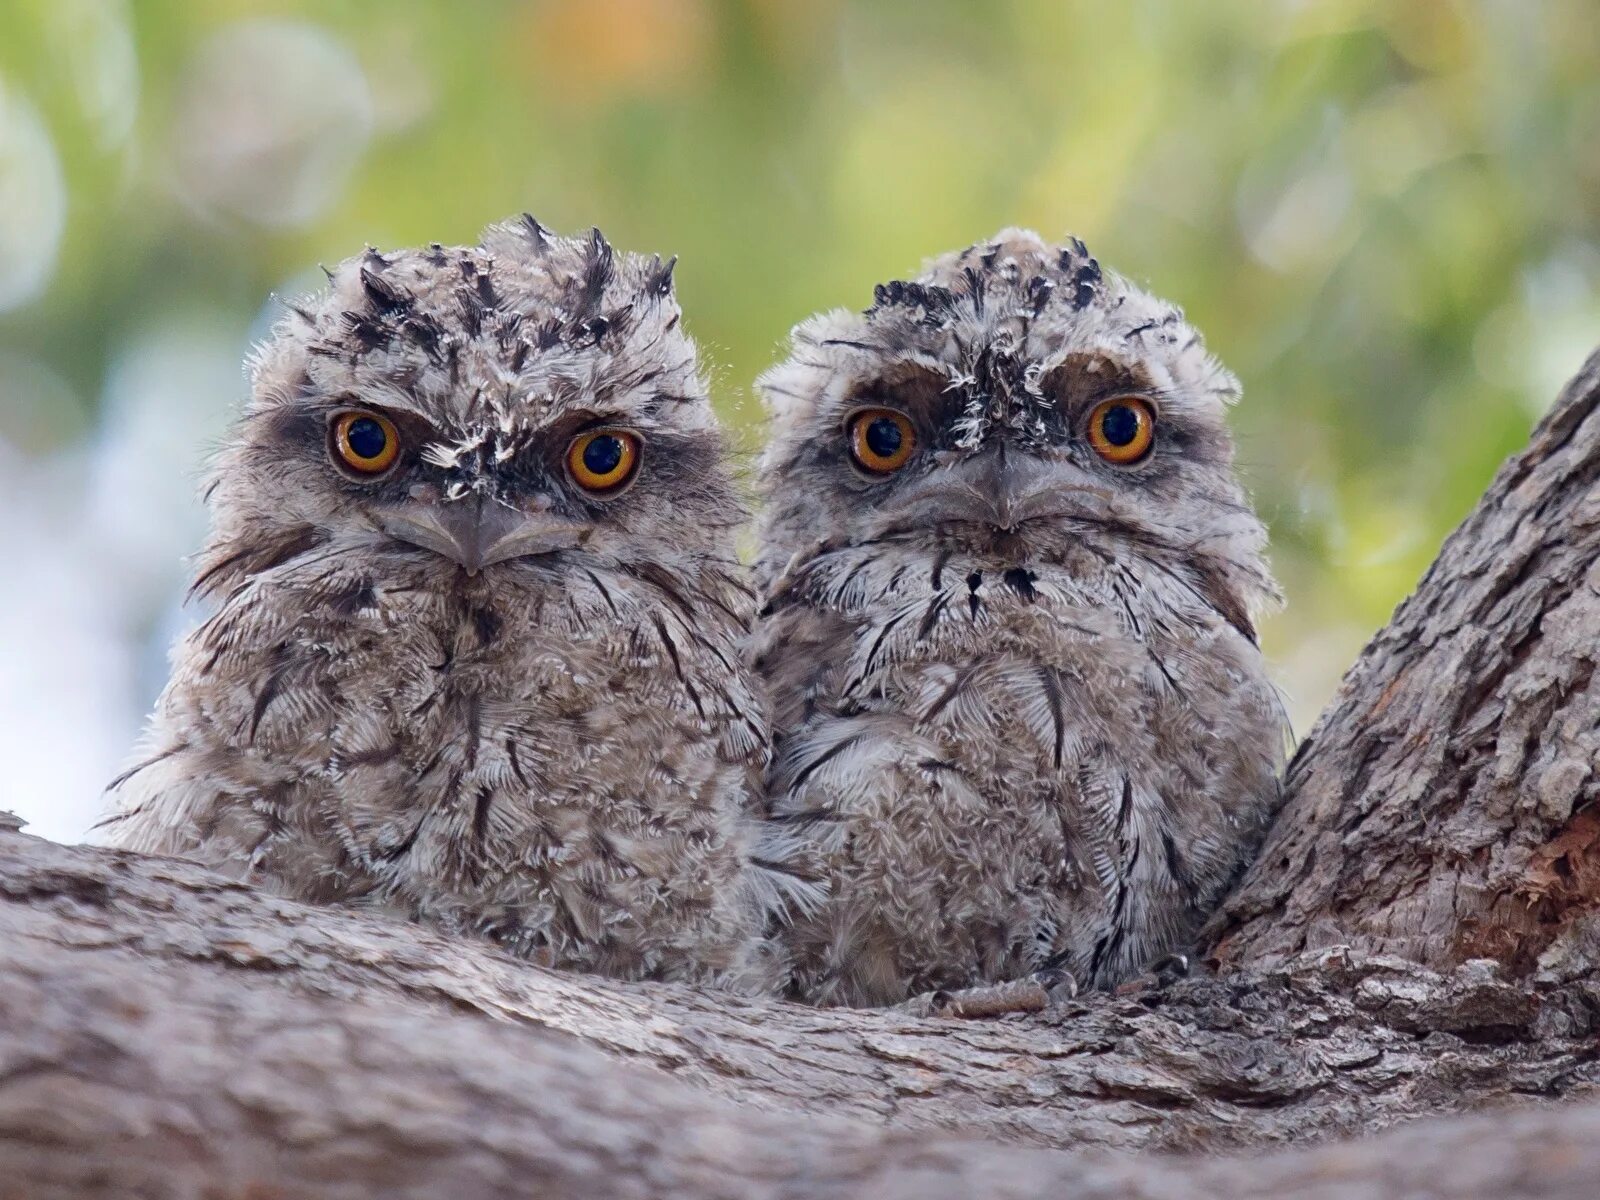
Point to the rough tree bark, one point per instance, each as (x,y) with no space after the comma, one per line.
(1421,936)
(1444,806)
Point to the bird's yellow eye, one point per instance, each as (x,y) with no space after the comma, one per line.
(366,442)
(1121,430)
(881,440)
(603,460)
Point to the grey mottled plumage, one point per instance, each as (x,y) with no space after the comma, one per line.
(465,687)
(1021,719)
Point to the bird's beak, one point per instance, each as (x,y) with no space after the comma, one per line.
(1001,487)
(476,533)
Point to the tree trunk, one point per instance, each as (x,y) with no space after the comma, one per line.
(1419,937)
(1444,806)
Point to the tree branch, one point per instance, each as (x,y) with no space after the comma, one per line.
(164,1032)
(1325,1043)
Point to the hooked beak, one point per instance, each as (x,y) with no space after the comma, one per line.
(476,533)
(1001,488)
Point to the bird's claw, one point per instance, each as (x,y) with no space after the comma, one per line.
(1170,969)
(1060,985)
(1162,973)
(1033,993)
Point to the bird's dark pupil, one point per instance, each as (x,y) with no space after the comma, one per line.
(883,437)
(1120,425)
(603,454)
(366,437)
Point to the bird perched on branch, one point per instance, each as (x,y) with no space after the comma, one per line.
(1022,723)
(473,654)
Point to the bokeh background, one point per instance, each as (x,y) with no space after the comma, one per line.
(1385,216)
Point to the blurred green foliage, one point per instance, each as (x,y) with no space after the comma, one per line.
(1385,216)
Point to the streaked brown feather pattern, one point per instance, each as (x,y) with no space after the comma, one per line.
(1019,738)
(560,750)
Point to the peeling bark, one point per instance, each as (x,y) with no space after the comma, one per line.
(1419,938)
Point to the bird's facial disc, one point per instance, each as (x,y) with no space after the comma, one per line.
(1003,483)
(492,505)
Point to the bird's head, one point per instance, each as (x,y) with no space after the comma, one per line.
(1016,402)
(528,401)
